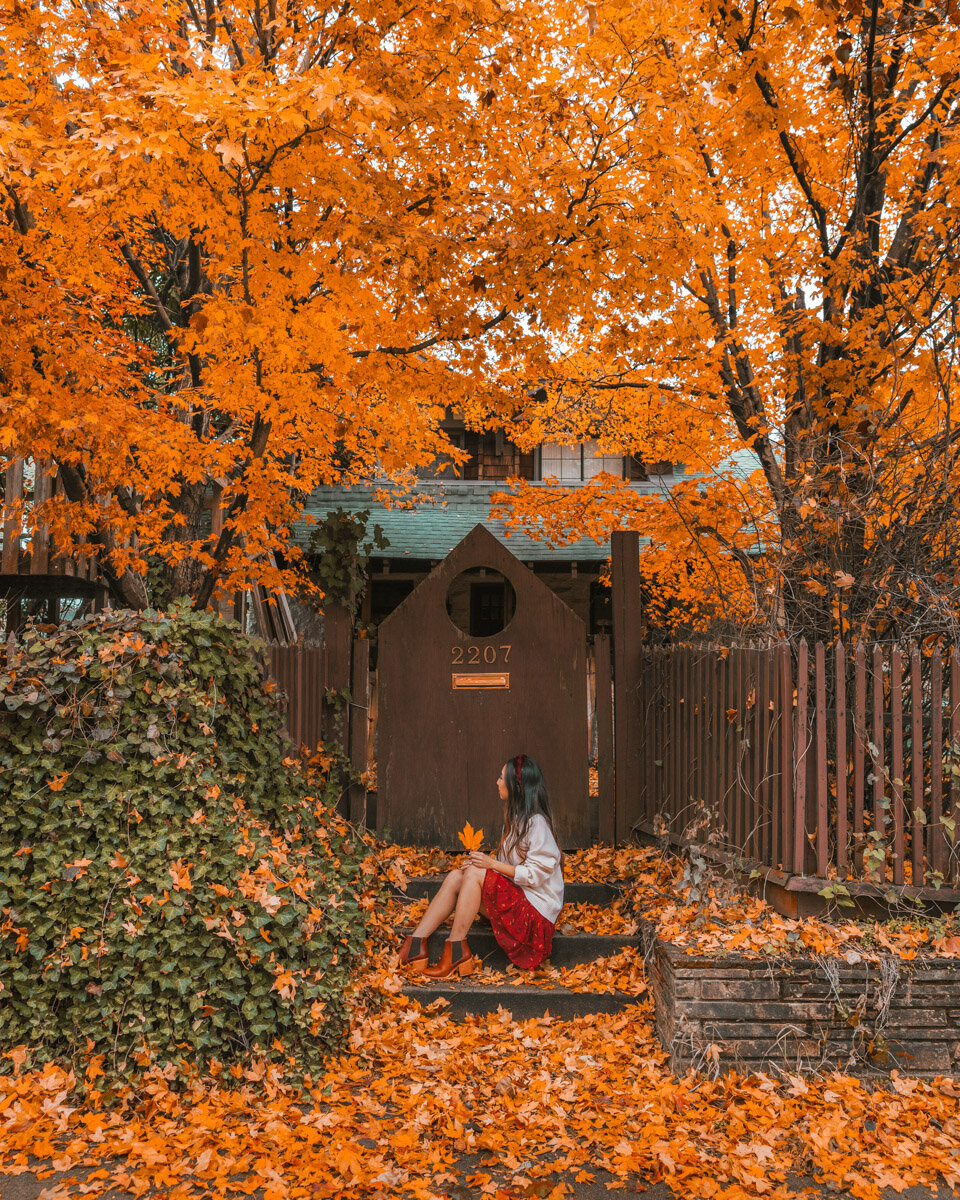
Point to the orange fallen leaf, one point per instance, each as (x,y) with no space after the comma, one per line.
(472,838)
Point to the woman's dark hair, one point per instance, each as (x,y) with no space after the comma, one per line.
(526,796)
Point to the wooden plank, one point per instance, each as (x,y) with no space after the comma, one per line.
(787,803)
(678,742)
(338,643)
(12,516)
(299,670)
(359,712)
(40,538)
(820,768)
(660,794)
(917,790)
(682,753)
(625,580)
(938,850)
(739,726)
(896,763)
(840,693)
(953,834)
(727,812)
(643,702)
(859,751)
(774,856)
(800,766)
(877,754)
(603,707)
(757,790)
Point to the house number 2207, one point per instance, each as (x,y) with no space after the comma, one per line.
(472,655)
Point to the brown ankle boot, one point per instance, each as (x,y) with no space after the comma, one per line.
(464,965)
(413,963)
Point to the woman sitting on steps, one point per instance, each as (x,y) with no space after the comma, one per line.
(520,890)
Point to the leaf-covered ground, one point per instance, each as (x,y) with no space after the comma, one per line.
(421,1106)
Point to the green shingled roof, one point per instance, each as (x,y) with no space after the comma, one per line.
(444,515)
(446,511)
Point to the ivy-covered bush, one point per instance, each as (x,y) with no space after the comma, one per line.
(168,895)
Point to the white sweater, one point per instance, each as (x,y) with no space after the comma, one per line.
(538,871)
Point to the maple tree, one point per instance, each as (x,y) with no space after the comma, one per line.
(773,274)
(252,248)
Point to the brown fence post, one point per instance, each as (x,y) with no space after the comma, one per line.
(840,680)
(801,767)
(823,822)
(606,791)
(859,748)
(918,809)
(625,577)
(896,762)
(337,646)
(937,860)
(359,713)
(878,757)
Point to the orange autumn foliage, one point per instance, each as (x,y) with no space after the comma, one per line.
(769,297)
(249,251)
(245,255)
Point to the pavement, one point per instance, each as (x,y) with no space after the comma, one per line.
(28,1187)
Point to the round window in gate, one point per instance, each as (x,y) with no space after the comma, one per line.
(481,602)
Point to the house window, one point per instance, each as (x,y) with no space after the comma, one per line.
(488,609)
(574,464)
(481,602)
(637,469)
(490,456)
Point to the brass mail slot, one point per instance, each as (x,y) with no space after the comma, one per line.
(482,679)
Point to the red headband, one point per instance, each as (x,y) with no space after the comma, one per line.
(518,765)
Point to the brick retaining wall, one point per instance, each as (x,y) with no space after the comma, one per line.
(805,1013)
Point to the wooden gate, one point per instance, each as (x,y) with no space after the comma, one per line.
(455,705)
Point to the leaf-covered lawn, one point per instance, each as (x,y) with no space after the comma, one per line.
(421,1105)
(418,1092)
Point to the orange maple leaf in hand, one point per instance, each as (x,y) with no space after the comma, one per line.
(472,838)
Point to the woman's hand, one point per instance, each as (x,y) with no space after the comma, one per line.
(479,859)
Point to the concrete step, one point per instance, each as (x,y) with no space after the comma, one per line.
(567,950)
(466,999)
(574,892)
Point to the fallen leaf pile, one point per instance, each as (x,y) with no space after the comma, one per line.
(608,921)
(620,972)
(417,1093)
(725,920)
(428,1108)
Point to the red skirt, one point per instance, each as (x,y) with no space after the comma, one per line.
(520,930)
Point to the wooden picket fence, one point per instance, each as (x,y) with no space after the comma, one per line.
(841,763)
(325,695)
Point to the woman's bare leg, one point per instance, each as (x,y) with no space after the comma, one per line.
(469,903)
(442,905)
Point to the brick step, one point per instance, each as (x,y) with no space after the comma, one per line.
(574,892)
(467,999)
(567,950)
